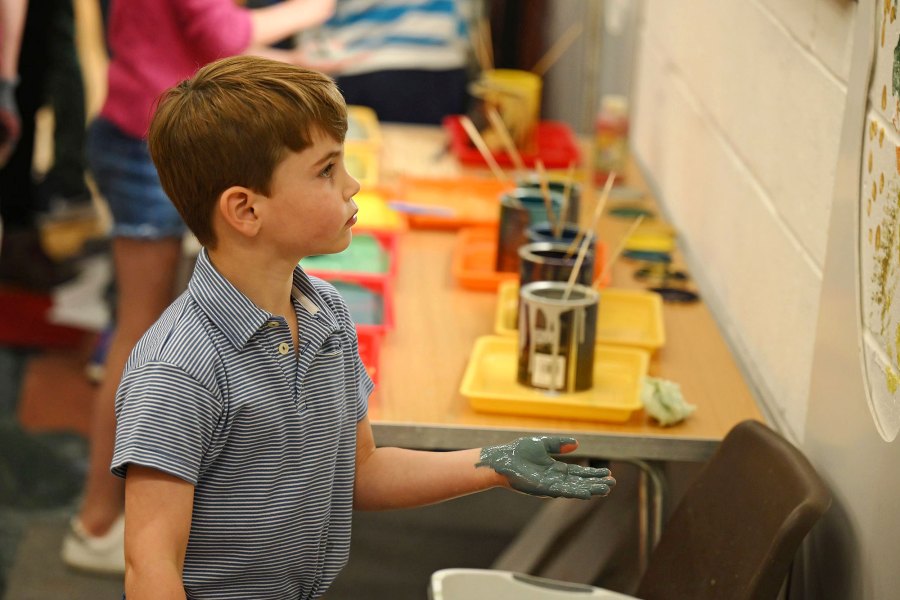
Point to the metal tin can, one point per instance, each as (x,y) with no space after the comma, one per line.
(556,336)
(518,209)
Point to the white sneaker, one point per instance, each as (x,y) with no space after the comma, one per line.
(104,554)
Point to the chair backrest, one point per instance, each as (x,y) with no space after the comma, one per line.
(736,530)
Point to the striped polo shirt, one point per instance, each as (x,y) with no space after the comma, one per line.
(214,394)
(375,35)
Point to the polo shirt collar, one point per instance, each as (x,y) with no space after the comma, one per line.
(235,314)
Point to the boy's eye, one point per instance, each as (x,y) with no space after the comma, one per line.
(328,171)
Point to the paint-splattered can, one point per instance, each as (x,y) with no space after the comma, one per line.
(556,336)
(518,209)
(543,232)
(573,209)
(552,261)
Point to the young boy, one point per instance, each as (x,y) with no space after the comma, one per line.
(241,417)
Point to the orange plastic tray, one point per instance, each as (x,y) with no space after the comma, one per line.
(475,259)
(448,203)
(625,317)
(490,384)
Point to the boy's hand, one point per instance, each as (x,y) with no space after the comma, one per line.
(528,467)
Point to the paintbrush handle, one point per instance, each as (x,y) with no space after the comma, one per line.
(615,255)
(476,138)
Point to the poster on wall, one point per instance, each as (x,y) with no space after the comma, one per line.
(879,231)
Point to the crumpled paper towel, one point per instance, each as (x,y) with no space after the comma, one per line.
(664,402)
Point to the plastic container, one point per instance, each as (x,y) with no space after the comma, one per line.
(474,261)
(626,317)
(489,383)
(372,308)
(448,203)
(371,255)
(375,214)
(556,146)
(611,137)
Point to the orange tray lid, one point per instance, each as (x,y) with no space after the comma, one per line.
(448,203)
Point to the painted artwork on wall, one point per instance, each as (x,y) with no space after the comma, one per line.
(879,232)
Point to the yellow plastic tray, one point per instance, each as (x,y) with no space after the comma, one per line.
(374,213)
(490,384)
(652,236)
(625,318)
(361,161)
(362,125)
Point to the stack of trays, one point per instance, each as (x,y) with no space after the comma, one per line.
(364,275)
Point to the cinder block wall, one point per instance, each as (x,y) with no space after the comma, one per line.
(736,115)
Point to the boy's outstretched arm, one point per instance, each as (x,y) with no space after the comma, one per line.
(399,478)
(158,511)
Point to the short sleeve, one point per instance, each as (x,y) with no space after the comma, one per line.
(165,419)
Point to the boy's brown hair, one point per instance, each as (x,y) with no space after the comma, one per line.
(231,124)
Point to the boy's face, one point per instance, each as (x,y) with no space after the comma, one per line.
(312,201)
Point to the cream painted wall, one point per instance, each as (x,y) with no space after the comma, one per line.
(737,109)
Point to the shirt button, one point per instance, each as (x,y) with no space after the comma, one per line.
(283,348)
(272,324)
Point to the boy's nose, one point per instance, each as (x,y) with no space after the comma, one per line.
(353,186)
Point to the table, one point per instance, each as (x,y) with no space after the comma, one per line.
(418,404)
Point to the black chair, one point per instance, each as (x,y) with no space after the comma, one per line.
(733,535)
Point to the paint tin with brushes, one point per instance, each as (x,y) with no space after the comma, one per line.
(557,187)
(543,232)
(551,261)
(518,210)
(556,336)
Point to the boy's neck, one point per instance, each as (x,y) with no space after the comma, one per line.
(266,282)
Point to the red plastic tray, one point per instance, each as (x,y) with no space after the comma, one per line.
(369,336)
(556,146)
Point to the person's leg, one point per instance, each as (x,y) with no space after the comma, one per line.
(63,191)
(146,272)
(147,236)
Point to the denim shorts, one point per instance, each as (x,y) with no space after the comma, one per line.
(127,180)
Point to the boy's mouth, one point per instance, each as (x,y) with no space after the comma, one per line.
(352,220)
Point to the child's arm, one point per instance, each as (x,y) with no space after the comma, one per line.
(398,478)
(278,21)
(158,511)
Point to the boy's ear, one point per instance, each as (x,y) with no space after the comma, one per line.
(237,207)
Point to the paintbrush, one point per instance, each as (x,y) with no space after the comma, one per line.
(557,50)
(567,193)
(598,210)
(615,255)
(505,138)
(545,193)
(476,138)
